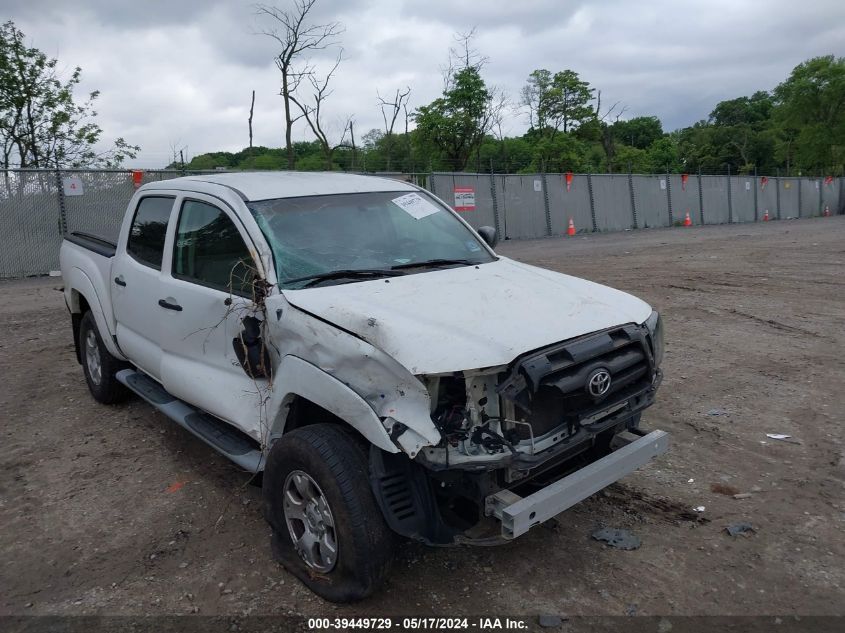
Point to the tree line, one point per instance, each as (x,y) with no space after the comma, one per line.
(797,127)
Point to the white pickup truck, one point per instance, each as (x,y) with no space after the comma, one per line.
(353,340)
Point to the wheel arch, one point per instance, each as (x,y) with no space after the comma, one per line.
(310,391)
(83,297)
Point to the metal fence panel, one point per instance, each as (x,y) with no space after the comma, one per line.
(831,196)
(808,203)
(30,223)
(767,197)
(788,197)
(650,196)
(524,207)
(564,204)
(483,214)
(742,198)
(613,202)
(715,193)
(685,198)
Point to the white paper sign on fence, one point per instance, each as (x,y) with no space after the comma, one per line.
(72,186)
(538,185)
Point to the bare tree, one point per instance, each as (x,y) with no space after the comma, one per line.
(611,111)
(312,110)
(177,152)
(389,113)
(251,108)
(352,138)
(462,56)
(608,143)
(291,29)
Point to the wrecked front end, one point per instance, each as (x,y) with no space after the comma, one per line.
(523,442)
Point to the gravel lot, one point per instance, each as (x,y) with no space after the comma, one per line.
(115,510)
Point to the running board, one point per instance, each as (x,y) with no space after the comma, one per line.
(219,435)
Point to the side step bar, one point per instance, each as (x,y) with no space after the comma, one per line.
(519,514)
(222,437)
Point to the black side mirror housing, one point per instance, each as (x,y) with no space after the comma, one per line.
(488,234)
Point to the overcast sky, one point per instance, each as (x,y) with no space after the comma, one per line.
(180,72)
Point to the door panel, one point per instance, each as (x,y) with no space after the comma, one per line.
(210,280)
(136,284)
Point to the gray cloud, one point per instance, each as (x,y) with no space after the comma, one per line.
(181,72)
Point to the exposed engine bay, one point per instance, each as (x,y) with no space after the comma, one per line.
(500,415)
(517,427)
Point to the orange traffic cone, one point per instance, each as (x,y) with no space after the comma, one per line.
(687,220)
(571,230)
(827,211)
(766,215)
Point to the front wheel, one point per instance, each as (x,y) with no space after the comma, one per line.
(99,365)
(327,528)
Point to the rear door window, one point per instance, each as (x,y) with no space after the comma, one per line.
(210,251)
(149,228)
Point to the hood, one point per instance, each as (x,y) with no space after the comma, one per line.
(470,317)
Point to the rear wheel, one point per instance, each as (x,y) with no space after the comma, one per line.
(99,365)
(327,528)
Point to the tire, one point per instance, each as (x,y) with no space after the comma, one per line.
(99,365)
(333,460)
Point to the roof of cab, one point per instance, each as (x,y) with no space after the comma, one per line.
(269,185)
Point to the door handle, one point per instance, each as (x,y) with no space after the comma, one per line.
(164,303)
(119,281)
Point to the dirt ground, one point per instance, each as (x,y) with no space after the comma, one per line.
(115,510)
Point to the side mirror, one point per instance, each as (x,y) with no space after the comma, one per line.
(488,234)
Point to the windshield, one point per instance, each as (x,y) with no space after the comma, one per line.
(329,238)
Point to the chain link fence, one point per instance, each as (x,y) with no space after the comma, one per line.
(37,207)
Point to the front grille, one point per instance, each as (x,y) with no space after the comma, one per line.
(549,386)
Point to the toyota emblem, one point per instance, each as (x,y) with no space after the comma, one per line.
(598,383)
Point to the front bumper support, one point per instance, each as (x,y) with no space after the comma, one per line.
(519,514)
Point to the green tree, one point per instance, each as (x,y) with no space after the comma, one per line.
(560,153)
(557,103)
(742,132)
(457,122)
(662,155)
(810,114)
(639,132)
(507,155)
(41,125)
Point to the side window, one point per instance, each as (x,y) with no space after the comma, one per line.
(210,251)
(149,227)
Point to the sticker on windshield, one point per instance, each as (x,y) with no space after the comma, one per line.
(415,205)
(473,246)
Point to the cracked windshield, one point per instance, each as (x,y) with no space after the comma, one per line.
(321,240)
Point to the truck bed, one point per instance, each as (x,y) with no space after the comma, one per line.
(99,245)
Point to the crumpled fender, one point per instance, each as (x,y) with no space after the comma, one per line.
(298,377)
(399,401)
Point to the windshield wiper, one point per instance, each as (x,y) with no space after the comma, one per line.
(433,263)
(352,273)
